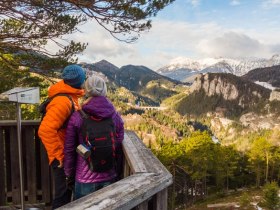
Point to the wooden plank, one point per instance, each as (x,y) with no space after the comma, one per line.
(161,200)
(15,174)
(151,177)
(8,123)
(142,206)
(27,206)
(2,169)
(132,152)
(139,157)
(8,161)
(29,142)
(126,170)
(135,189)
(124,194)
(45,175)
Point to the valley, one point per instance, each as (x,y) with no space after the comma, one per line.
(216,135)
(213,135)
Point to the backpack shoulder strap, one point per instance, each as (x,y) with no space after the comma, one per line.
(83,114)
(69,97)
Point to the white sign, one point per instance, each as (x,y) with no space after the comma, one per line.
(30,95)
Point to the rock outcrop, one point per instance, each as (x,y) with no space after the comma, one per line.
(231,88)
(215,86)
(275,95)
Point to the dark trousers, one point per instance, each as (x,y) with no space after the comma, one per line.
(83,189)
(62,194)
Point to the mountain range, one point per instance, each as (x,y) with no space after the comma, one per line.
(186,69)
(210,92)
(139,80)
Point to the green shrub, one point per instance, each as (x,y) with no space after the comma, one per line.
(271,198)
(245,200)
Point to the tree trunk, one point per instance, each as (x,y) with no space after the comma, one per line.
(258,178)
(266,171)
(227,180)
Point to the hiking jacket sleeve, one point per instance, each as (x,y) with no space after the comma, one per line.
(50,130)
(119,128)
(71,142)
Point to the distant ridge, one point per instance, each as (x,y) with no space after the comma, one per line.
(183,69)
(270,75)
(139,79)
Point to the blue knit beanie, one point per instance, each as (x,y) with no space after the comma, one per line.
(74,76)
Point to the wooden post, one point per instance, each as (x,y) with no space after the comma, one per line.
(160,201)
(146,177)
(14,166)
(126,170)
(143,206)
(2,169)
(29,142)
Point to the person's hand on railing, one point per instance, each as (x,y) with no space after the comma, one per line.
(60,164)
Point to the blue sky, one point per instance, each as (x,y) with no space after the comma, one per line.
(192,29)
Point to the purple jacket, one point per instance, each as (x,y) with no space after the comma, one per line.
(74,164)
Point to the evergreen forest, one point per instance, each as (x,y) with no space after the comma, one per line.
(202,168)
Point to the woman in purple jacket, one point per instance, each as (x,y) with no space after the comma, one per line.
(76,168)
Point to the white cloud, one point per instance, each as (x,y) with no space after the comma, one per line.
(167,40)
(194,3)
(268,4)
(235,2)
(101,45)
(234,45)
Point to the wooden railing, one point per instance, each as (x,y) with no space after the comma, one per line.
(144,185)
(36,173)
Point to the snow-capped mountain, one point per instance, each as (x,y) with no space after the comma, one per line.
(220,67)
(184,69)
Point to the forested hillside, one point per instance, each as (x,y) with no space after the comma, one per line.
(138,79)
(230,94)
(270,75)
(201,164)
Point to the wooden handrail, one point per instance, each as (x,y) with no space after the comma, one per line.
(147,178)
(6,123)
(144,185)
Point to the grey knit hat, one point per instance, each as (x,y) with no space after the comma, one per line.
(95,86)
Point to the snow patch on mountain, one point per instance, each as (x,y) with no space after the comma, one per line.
(266,85)
(182,68)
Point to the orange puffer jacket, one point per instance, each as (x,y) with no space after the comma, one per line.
(58,111)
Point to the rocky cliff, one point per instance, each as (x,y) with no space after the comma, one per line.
(230,88)
(215,86)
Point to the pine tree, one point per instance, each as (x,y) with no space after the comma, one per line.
(27,25)
(271,198)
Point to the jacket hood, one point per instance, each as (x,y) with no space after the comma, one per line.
(61,87)
(99,106)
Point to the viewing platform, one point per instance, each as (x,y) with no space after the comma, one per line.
(144,184)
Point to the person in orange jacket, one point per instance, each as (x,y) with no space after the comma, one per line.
(51,131)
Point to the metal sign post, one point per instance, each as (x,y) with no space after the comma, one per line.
(20,155)
(21,96)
